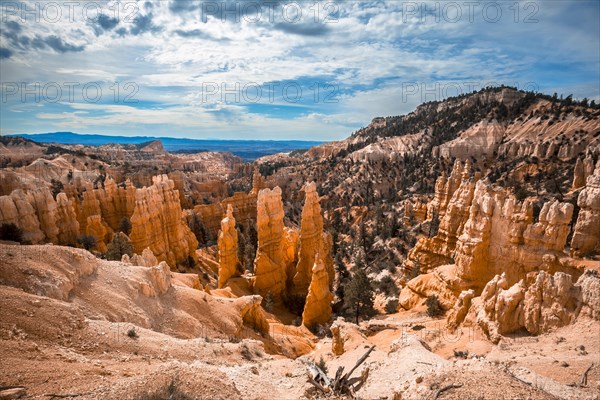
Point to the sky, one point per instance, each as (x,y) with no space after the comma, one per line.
(301,70)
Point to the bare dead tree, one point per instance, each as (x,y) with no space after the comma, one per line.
(341,384)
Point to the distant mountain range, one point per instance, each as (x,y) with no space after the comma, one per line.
(246,149)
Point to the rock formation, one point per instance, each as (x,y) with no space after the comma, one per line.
(458,313)
(157,223)
(257,181)
(146,259)
(310,239)
(318,302)
(291,243)
(244,211)
(444,189)
(159,280)
(97,228)
(499,236)
(538,303)
(586,235)
(40,217)
(16,209)
(337,339)
(66,220)
(252,314)
(450,206)
(268,265)
(578,175)
(228,248)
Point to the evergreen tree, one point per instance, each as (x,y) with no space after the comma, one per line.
(118,246)
(358,295)
(124,226)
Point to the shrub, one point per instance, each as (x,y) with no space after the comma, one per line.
(246,353)
(392,306)
(434,307)
(132,333)
(387,286)
(11,232)
(87,241)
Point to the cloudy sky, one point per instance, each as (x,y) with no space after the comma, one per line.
(276,69)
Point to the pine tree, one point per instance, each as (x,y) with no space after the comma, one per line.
(118,246)
(124,226)
(358,295)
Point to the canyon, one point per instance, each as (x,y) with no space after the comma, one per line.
(461,240)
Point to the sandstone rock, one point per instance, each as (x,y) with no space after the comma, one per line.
(578,175)
(499,236)
(244,211)
(159,280)
(252,313)
(318,302)
(257,181)
(549,301)
(441,282)
(228,248)
(436,251)
(589,283)
(146,259)
(66,220)
(458,313)
(310,239)
(444,189)
(268,265)
(16,209)
(95,227)
(586,235)
(157,223)
(337,338)
(45,208)
(290,244)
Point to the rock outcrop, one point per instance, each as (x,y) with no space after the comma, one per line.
(538,303)
(318,302)
(98,229)
(66,220)
(159,280)
(458,313)
(268,265)
(228,248)
(311,231)
(157,223)
(146,259)
(450,208)
(337,338)
(244,211)
(252,313)
(499,236)
(586,235)
(16,209)
(40,217)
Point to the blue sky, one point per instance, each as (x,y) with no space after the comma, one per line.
(276,69)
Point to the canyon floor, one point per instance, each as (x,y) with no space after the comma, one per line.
(58,341)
